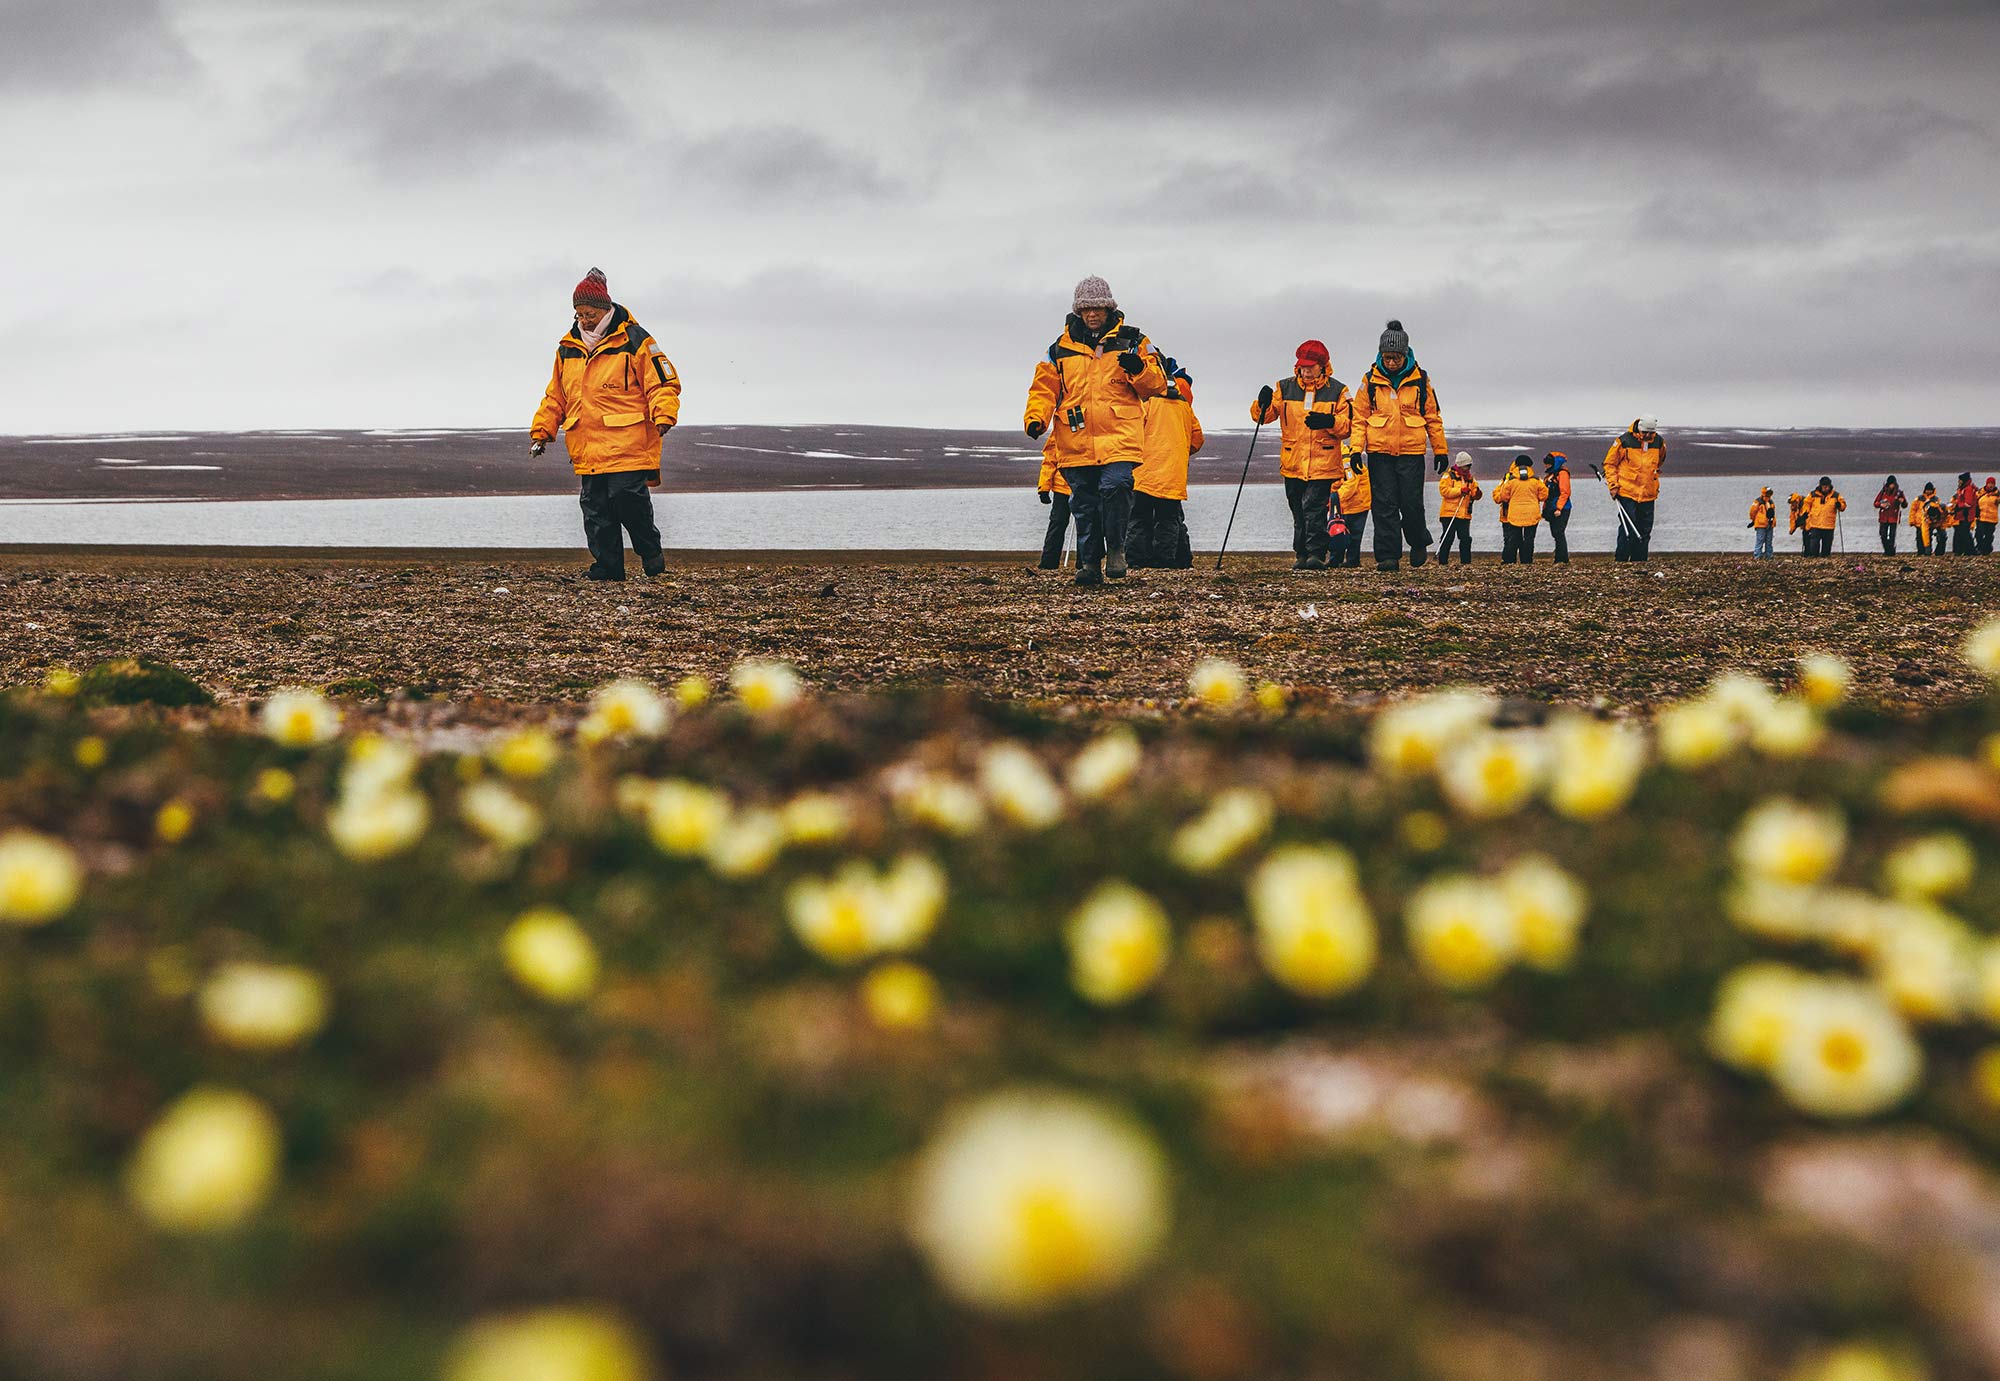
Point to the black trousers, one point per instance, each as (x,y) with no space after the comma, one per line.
(614,507)
(1888,539)
(1398,482)
(1962,541)
(1559,530)
(1517,544)
(1635,533)
(1346,551)
(1819,541)
(1457,530)
(1058,531)
(1982,542)
(1308,500)
(1157,534)
(1101,503)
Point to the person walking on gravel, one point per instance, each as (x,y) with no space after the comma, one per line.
(1457,491)
(1091,392)
(1556,508)
(1763,520)
(1823,509)
(1632,473)
(1159,535)
(1353,499)
(1925,515)
(1964,517)
(1520,497)
(613,395)
(1395,416)
(1890,501)
(1315,415)
(1989,517)
(1054,491)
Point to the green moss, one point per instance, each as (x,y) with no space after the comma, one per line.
(141,681)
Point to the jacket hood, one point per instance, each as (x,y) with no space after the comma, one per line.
(1397,377)
(1083,335)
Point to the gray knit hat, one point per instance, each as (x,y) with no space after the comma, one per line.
(1092,292)
(1395,340)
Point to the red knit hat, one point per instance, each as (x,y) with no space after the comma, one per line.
(592,291)
(1313,352)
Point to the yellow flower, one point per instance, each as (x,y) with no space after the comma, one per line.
(1695,733)
(1461,931)
(1493,774)
(684,817)
(833,917)
(1754,1009)
(747,845)
(1845,1053)
(1788,842)
(299,718)
(1938,865)
(499,815)
(1118,940)
(376,825)
(559,1344)
(275,786)
(1926,964)
(525,755)
(817,818)
(1986,981)
(1218,683)
(913,895)
(692,692)
(61,682)
(173,822)
(1407,740)
(39,879)
(1743,697)
(549,955)
(1029,1200)
(1019,787)
(1547,907)
(1106,767)
(1273,698)
(1986,1078)
(1426,831)
(1234,820)
(624,709)
(1314,932)
(1788,729)
(207,1163)
(1982,648)
(90,753)
(942,803)
(1594,765)
(262,1006)
(765,688)
(1859,1362)
(900,996)
(1775,910)
(376,766)
(1824,680)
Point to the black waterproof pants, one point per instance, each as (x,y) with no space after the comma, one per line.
(1982,542)
(1308,500)
(1819,541)
(1962,540)
(1559,530)
(1635,533)
(1888,538)
(1457,530)
(1517,544)
(1398,483)
(1101,503)
(1058,532)
(614,507)
(1346,551)
(1157,534)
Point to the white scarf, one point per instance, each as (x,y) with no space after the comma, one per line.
(591,339)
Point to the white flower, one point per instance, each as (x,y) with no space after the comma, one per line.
(1938,865)
(747,845)
(1754,1011)
(1461,931)
(1776,910)
(39,879)
(815,818)
(1314,931)
(1788,842)
(1407,740)
(1118,940)
(1788,729)
(765,688)
(1926,964)
(1982,648)
(624,709)
(501,816)
(1824,680)
(1744,698)
(683,818)
(1218,683)
(1234,820)
(942,803)
(262,1006)
(1695,733)
(1493,774)
(207,1163)
(1019,787)
(299,718)
(857,913)
(1548,908)
(1029,1200)
(1106,766)
(1594,765)
(1845,1053)
(374,825)
(377,766)
(914,892)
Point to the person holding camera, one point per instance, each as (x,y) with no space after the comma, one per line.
(1632,473)
(613,395)
(1091,394)
(1315,414)
(1395,417)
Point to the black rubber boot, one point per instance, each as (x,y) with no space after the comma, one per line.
(1088,574)
(1114,564)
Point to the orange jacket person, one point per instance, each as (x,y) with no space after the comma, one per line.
(613,395)
(1763,519)
(1988,518)
(1921,519)
(1457,490)
(1315,414)
(1159,486)
(1054,491)
(1632,472)
(1823,509)
(1395,416)
(1354,498)
(1520,497)
(1556,508)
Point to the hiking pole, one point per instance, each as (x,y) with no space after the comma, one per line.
(1239,495)
(1623,522)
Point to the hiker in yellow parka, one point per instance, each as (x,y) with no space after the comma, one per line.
(1159,535)
(1823,509)
(1315,415)
(1923,519)
(1054,491)
(1763,518)
(1632,472)
(1395,417)
(1520,497)
(1352,498)
(1457,491)
(612,395)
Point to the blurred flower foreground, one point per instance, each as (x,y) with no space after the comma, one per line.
(737,1031)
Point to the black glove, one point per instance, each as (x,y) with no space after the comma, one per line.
(1441,464)
(1131,363)
(1047,497)
(1264,399)
(1320,421)
(536,448)
(1035,430)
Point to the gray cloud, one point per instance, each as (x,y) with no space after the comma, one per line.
(71,44)
(775,164)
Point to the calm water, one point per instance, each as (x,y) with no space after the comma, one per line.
(1696,513)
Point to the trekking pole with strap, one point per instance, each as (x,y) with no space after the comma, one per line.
(1623,521)
(1239,495)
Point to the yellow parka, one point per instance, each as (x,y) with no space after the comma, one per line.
(1520,499)
(1989,505)
(1822,510)
(1082,381)
(1920,513)
(1764,510)
(1455,495)
(1396,420)
(612,403)
(1173,435)
(1797,503)
(1354,493)
(1309,454)
(1632,466)
(1050,481)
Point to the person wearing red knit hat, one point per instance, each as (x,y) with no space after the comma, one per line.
(1315,414)
(613,395)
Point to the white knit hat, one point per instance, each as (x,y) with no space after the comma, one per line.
(1092,292)
(1649,424)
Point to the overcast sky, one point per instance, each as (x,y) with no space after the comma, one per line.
(314,213)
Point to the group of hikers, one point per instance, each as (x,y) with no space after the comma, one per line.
(1966,520)
(1116,421)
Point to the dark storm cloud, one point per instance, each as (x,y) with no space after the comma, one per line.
(89,43)
(775,164)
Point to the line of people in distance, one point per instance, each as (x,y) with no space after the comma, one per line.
(1116,421)
(1967,521)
